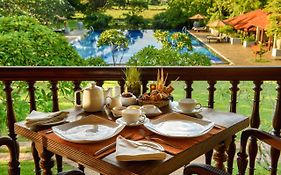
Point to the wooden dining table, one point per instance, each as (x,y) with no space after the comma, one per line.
(48,143)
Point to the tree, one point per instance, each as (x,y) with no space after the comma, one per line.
(274,8)
(44,10)
(175,40)
(114,39)
(25,42)
(150,56)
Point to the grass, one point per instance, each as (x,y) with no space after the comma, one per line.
(147,14)
(27,166)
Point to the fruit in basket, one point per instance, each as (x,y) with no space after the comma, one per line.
(158,92)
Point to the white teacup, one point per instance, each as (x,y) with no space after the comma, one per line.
(189,104)
(132,115)
(147,109)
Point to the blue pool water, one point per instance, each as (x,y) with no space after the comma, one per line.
(138,39)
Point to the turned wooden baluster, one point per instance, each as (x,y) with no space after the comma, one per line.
(188,89)
(46,162)
(276,123)
(11,118)
(144,86)
(100,83)
(77,88)
(254,123)
(122,85)
(31,91)
(232,147)
(54,88)
(77,100)
(211,89)
(32,106)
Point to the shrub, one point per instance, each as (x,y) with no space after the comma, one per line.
(161,21)
(95,61)
(25,42)
(135,21)
(97,20)
(150,56)
(226,30)
(170,19)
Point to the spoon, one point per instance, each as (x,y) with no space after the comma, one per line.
(147,137)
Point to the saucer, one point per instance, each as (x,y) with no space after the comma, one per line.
(138,123)
(193,112)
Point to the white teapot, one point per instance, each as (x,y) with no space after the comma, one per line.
(93,98)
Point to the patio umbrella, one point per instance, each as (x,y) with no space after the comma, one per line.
(198,16)
(217,23)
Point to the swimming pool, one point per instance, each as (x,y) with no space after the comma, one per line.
(138,39)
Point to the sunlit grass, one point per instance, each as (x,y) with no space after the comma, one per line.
(147,14)
(27,167)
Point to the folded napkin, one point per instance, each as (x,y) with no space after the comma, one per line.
(128,150)
(36,118)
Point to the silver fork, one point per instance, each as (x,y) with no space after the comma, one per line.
(147,137)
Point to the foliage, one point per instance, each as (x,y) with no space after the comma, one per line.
(260,52)
(97,20)
(244,6)
(137,6)
(95,61)
(227,29)
(175,40)
(162,21)
(154,2)
(221,9)
(132,76)
(44,10)
(114,39)
(24,42)
(249,38)
(95,5)
(274,8)
(135,21)
(77,5)
(119,3)
(150,56)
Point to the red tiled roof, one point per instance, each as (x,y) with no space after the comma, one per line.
(257,18)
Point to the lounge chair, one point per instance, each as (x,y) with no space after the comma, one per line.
(219,38)
(199,29)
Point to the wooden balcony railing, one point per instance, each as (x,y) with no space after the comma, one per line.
(211,75)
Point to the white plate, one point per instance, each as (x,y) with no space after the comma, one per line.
(178,125)
(88,129)
(122,122)
(194,111)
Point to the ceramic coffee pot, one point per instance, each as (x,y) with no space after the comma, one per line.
(93,97)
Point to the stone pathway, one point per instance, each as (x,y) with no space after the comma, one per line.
(237,54)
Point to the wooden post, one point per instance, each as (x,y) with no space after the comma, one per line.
(254,123)
(232,147)
(211,89)
(188,89)
(276,123)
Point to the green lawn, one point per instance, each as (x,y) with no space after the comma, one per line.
(27,167)
(147,14)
